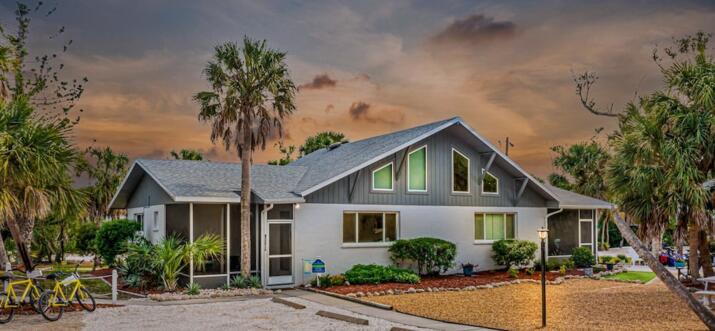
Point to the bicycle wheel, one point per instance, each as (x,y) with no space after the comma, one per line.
(35,300)
(50,306)
(85,299)
(6,313)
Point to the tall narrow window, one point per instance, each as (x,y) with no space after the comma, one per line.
(382,178)
(490,183)
(417,170)
(460,172)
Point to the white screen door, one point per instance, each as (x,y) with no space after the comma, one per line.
(280,253)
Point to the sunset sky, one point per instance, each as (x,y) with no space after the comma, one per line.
(365,67)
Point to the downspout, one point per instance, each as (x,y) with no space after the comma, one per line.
(264,254)
(546,225)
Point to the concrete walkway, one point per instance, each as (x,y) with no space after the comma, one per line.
(389,315)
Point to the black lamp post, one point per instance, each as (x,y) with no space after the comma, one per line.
(543,233)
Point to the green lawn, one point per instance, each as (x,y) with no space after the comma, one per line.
(643,276)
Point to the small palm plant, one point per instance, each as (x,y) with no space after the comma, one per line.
(172,256)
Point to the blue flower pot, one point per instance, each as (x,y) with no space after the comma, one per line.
(468,271)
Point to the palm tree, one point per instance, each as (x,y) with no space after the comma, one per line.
(106,169)
(251,95)
(662,153)
(187,154)
(35,162)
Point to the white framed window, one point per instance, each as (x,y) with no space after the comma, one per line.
(490,227)
(417,170)
(460,172)
(140,219)
(585,227)
(367,228)
(490,183)
(383,178)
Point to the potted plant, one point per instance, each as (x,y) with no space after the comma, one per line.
(608,261)
(680,263)
(468,269)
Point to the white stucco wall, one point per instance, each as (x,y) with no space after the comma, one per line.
(152,232)
(318,232)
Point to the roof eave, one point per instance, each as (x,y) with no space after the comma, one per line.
(586,206)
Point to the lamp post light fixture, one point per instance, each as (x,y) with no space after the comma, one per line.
(543,233)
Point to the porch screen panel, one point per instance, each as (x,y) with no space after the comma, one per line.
(586,232)
(235,237)
(177,221)
(563,232)
(210,219)
(280,244)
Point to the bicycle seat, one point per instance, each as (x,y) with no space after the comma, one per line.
(52,276)
(5,277)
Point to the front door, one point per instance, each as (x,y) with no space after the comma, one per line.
(280,252)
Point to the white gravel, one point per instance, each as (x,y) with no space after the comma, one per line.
(257,314)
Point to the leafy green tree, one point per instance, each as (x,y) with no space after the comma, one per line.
(251,95)
(662,154)
(286,152)
(187,154)
(321,140)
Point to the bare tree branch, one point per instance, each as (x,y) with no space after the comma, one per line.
(584,82)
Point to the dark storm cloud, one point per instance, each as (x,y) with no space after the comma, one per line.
(362,111)
(476,29)
(319,82)
(359,110)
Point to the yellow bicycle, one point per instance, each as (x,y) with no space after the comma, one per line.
(9,301)
(52,303)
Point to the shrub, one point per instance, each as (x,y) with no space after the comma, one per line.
(569,264)
(239,281)
(84,237)
(513,252)
(530,271)
(324,281)
(376,274)
(513,272)
(582,257)
(430,255)
(553,264)
(138,268)
(605,259)
(171,256)
(562,270)
(622,257)
(194,289)
(337,280)
(112,237)
(225,287)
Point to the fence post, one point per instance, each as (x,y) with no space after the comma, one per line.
(8,268)
(114,286)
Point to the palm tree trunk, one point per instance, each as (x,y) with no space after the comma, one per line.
(246,201)
(705,314)
(706,259)
(694,253)
(3,254)
(22,247)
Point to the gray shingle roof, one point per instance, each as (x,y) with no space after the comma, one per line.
(325,164)
(222,180)
(568,199)
(287,184)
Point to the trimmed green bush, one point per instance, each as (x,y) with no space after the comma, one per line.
(553,264)
(582,257)
(513,252)
(428,255)
(377,274)
(112,238)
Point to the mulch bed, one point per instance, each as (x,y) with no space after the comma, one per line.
(448,281)
(121,285)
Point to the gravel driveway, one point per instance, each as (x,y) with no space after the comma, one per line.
(258,314)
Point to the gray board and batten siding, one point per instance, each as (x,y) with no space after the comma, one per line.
(439,178)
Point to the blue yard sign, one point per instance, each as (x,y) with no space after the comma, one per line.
(318,266)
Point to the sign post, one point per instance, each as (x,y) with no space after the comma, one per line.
(318,267)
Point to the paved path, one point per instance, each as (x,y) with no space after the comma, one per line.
(388,315)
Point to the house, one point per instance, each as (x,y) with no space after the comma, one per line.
(347,203)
